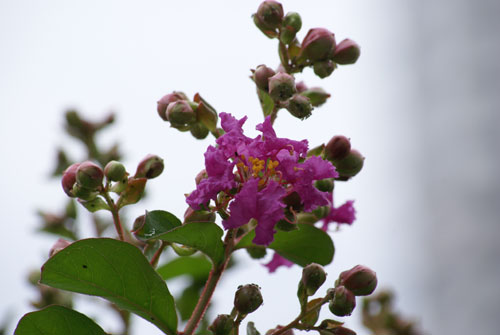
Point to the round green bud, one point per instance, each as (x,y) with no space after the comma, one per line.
(83,193)
(299,106)
(281,86)
(343,302)
(150,167)
(114,171)
(222,325)
(324,68)
(180,113)
(292,22)
(313,276)
(89,175)
(350,165)
(361,280)
(324,185)
(257,251)
(247,298)
(199,131)
(346,52)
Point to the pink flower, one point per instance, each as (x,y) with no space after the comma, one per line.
(276,262)
(256,174)
(343,214)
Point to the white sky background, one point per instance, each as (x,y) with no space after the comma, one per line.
(123,56)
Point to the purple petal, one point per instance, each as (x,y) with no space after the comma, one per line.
(276,262)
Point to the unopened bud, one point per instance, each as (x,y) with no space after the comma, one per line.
(89,175)
(299,106)
(58,246)
(166,100)
(261,77)
(346,52)
(360,280)
(337,148)
(350,165)
(324,68)
(321,212)
(318,44)
(180,113)
(291,25)
(324,185)
(150,167)
(83,193)
(257,251)
(281,86)
(69,179)
(316,95)
(247,298)
(198,216)
(138,223)
(222,325)
(300,87)
(313,276)
(199,131)
(343,302)
(270,14)
(114,171)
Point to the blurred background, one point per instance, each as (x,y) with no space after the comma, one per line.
(421,105)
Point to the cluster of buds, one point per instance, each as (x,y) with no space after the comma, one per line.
(348,162)
(196,116)
(358,281)
(318,48)
(85,181)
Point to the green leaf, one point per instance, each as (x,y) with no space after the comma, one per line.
(94,205)
(133,192)
(266,102)
(57,320)
(311,319)
(203,236)
(195,267)
(303,246)
(156,223)
(116,271)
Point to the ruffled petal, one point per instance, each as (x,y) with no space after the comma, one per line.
(276,262)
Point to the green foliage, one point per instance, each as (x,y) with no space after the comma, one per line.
(116,271)
(195,267)
(57,320)
(155,223)
(303,246)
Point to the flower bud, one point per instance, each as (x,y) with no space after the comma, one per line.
(350,165)
(291,25)
(266,30)
(199,131)
(270,14)
(138,223)
(180,113)
(360,280)
(337,148)
(83,193)
(321,212)
(318,44)
(324,68)
(324,185)
(190,215)
(114,171)
(313,276)
(299,106)
(150,167)
(89,175)
(316,95)
(69,179)
(257,251)
(281,86)
(300,87)
(261,77)
(58,246)
(166,100)
(222,325)
(346,52)
(343,302)
(247,298)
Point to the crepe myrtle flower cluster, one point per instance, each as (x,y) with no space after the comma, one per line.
(258,175)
